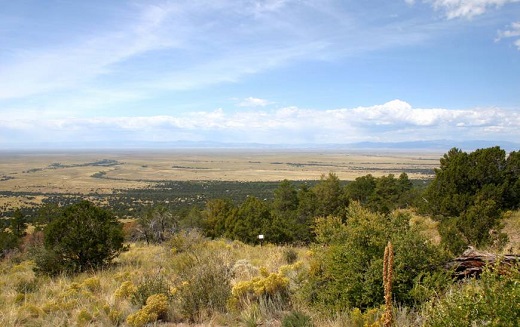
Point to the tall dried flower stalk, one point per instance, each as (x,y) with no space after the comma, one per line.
(388,263)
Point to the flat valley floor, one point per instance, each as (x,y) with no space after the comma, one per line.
(105,171)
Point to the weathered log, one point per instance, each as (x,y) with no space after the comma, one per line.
(472,262)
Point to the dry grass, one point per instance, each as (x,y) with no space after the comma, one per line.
(96,299)
(427,227)
(512,229)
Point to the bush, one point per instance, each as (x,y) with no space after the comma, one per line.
(346,270)
(83,237)
(149,286)
(491,301)
(156,308)
(204,277)
(271,288)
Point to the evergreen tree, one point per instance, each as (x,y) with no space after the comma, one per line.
(362,189)
(18,224)
(253,218)
(470,192)
(330,198)
(83,237)
(217,218)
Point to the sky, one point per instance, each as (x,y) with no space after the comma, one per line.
(293,72)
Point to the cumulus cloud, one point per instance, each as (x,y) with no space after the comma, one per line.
(393,121)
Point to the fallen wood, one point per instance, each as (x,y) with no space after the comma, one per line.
(472,262)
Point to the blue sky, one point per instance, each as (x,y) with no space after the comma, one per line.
(123,73)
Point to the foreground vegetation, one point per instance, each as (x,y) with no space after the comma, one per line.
(191,279)
(320,261)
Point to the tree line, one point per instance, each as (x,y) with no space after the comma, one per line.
(468,197)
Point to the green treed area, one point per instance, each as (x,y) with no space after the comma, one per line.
(320,261)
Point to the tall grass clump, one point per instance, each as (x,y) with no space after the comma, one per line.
(203,284)
(297,319)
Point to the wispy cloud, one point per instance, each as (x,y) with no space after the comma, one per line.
(187,45)
(466,8)
(513,31)
(392,121)
(58,67)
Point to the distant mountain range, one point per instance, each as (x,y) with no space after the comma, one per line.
(434,145)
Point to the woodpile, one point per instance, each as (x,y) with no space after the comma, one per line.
(472,262)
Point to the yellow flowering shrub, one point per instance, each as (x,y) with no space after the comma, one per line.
(267,285)
(93,284)
(84,317)
(126,290)
(369,318)
(156,307)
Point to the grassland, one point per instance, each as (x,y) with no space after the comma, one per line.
(46,172)
(103,172)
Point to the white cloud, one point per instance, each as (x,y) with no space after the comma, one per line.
(466,8)
(254,102)
(392,121)
(513,31)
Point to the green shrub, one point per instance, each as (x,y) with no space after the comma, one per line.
(46,261)
(346,269)
(27,286)
(149,285)
(83,237)
(491,301)
(206,288)
(297,319)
